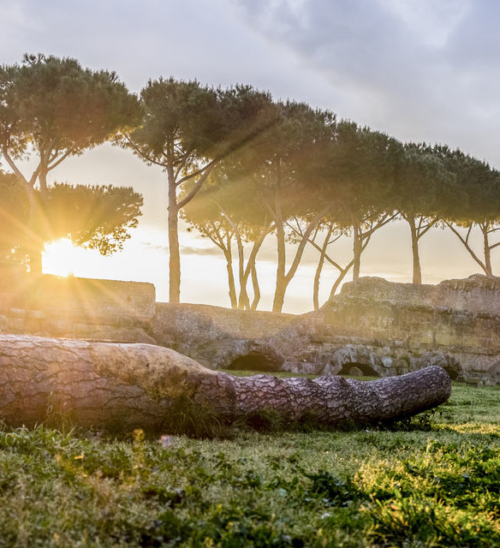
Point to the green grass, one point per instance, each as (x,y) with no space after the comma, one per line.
(431,483)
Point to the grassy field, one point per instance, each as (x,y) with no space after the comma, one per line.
(432,482)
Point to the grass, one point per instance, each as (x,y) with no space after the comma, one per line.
(430,483)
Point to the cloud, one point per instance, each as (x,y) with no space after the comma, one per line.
(202,251)
(418,69)
(211,251)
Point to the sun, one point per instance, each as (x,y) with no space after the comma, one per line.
(60,258)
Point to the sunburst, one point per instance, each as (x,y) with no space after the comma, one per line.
(61,258)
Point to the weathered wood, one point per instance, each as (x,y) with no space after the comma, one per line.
(138,385)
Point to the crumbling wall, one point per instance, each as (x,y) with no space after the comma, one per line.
(373,325)
(458,317)
(75,307)
(387,328)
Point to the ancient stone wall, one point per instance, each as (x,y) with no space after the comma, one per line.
(216,336)
(373,327)
(476,294)
(458,317)
(75,307)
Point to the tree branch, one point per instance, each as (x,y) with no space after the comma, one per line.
(61,158)
(426,229)
(466,244)
(196,188)
(139,152)
(302,244)
(14,168)
(208,167)
(379,224)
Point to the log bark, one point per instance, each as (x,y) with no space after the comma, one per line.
(126,386)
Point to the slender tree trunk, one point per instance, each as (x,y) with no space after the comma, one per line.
(230,276)
(357,251)
(173,239)
(417,272)
(42,177)
(251,270)
(243,301)
(298,256)
(319,268)
(279,294)
(34,239)
(256,287)
(338,281)
(317,278)
(487,251)
(125,386)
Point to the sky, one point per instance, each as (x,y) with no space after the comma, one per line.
(420,70)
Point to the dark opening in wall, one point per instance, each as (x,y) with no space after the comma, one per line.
(355,369)
(253,361)
(452,372)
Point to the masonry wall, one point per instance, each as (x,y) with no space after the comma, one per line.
(386,328)
(75,307)
(459,317)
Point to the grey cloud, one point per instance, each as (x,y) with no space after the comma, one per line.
(475,43)
(421,74)
(203,251)
(148,246)
(212,251)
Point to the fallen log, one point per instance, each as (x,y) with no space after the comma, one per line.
(126,386)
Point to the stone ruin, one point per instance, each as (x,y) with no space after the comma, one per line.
(374,327)
(77,308)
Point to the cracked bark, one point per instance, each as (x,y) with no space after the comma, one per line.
(125,386)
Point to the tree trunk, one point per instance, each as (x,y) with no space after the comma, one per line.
(281,287)
(319,268)
(357,250)
(317,278)
(250,269)
(417,271)
(36,228)
(174,263)
(243,300)
(338,281)
(256,287)
(230,276)
(42,177)
(279,294)
(125,386)
(488,269)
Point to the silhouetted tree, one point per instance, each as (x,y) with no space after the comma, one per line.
(229,213)
(362,170)
(478,203)
(94,217)
(281,167)
(425,190)
(51,109)
(187,129)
